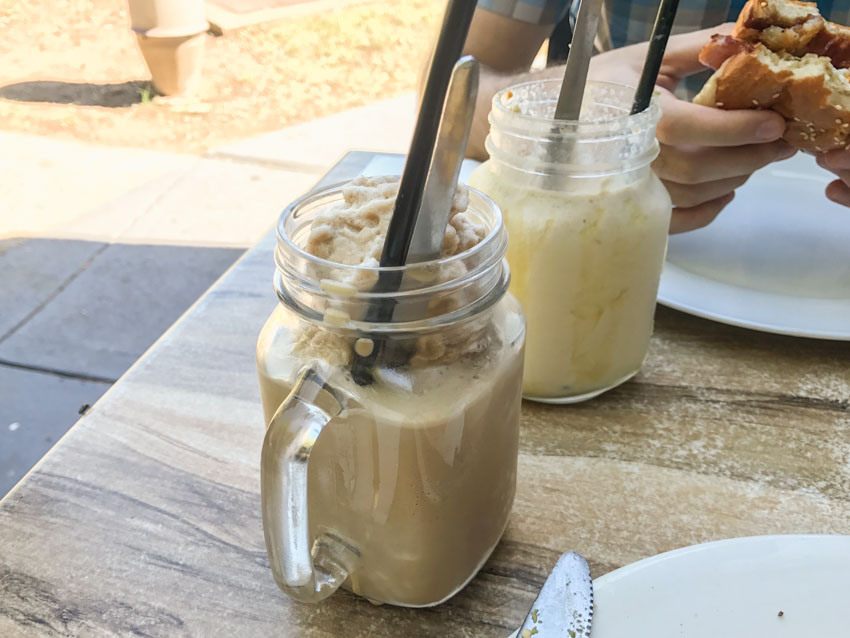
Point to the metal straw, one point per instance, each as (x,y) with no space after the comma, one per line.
(449,47)
(578,61)
(449,151)
(571,96)
(654,55)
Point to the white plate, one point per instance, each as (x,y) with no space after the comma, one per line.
(777,259)
(731,589)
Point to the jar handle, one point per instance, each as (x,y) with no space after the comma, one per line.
(307,576)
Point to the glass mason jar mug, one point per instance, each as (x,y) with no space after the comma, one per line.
(398,482)
(588,223)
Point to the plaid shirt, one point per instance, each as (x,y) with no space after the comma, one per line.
(626,22)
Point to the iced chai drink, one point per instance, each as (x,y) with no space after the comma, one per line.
(399,485)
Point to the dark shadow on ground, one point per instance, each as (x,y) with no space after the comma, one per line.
(110,95)
(74,315)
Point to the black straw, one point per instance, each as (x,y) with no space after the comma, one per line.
(657,44)
(449,48)
(447,52)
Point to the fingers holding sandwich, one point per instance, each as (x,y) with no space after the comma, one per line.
(693,217)
(701,164)
(705,154)
(839,192)
(686,123)
(686,196)
(837,162)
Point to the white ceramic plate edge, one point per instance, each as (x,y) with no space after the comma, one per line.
(753,309)
(627,570)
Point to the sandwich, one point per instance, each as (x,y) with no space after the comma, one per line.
(782,55)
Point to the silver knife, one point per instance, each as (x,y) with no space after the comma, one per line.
(449,151)
(578,60)
(564,607)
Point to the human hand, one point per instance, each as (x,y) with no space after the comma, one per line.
(705,153)
(837,162)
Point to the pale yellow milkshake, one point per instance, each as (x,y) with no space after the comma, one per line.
(587,235)
(585,267)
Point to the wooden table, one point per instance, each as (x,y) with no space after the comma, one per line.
(145,519)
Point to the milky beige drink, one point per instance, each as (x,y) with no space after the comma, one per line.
(588,224)
(423,479)
(412,479)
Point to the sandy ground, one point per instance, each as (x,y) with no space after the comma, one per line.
(71,69)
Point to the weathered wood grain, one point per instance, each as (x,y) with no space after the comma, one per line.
(145,519)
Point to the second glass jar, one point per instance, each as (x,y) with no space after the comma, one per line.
(588,221)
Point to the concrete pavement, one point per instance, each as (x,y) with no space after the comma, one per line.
(226,16)
(102,249)
(384,126)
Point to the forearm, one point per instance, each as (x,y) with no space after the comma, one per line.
(505,48)
(492,82)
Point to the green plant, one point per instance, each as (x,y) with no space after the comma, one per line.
(146,94)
